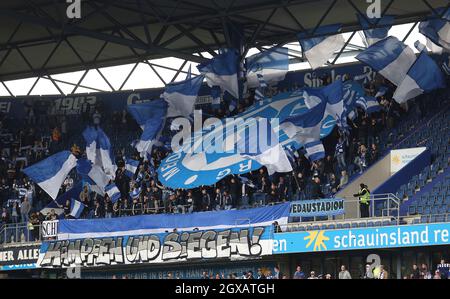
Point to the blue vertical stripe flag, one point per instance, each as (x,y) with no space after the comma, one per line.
(437,29)
(181,96)
(105,153)
(272,65)
(76,208)
(424,76)
(390,57)
(318,50)
(374,35)
(90,137)
(113,192)
(222,70)
(50,173)
(131,167)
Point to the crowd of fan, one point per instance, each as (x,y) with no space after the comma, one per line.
(44,134)
(369,272)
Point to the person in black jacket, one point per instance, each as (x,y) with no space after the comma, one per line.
(206,200)
(316,190)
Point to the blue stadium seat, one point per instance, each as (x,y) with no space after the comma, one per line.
(416,221)
(362,224)
(346,225)
(412,210)
(377,223)
(424,219)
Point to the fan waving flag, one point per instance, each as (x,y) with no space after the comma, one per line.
(181,96)
(222,71)
(50,173)
(437,30)
(76,208)
(113,192)
(374,35)
(424,76)
(131,167)
(390,57)
(272,65)
(319,49)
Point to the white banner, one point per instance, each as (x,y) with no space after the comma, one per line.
(401,157)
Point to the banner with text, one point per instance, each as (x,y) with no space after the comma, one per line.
(317,208)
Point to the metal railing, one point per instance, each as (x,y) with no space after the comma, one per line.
(20,233)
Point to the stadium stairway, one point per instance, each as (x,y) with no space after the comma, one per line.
(431,132)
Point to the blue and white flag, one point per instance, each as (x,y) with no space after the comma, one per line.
(390,57)
(131,167)
(438,29)
(368,104)
(135,193)
(148,110)
(381,91)
(105,154)
(57,204)
(90,137)
(181,96)
(319,49)
(305,129)
(151,117)
(50,173)
(424,76)
(374,35)
(222,71)
(216,97)
(271,65)
(76,208)
(264,147)
(94,172)
(113,192)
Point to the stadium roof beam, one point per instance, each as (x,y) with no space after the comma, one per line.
(99,35)
(162,28)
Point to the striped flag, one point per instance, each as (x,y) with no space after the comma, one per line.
(76,208)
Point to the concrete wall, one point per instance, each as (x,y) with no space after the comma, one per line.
(372,177)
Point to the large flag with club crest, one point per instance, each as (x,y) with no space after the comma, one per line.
(205,162)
